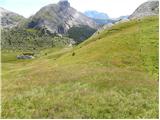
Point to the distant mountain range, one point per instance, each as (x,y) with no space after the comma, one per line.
(102,18)
(96,15)
(99,17)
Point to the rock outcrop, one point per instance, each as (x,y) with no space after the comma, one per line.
(149,8)
(24,57)
(9,19)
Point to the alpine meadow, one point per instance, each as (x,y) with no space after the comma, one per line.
(61,63)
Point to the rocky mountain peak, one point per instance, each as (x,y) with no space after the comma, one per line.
(59,18)
(149,8)
(64,3)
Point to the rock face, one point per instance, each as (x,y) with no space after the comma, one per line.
(9,19)
(24,57)
(150,8)
(59,18)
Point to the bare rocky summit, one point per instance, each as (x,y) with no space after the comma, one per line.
(59,18)
(149,8)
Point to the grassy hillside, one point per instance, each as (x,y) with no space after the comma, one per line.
(111,75)
(31,39)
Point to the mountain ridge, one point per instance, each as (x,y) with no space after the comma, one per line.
(59,18)
(149,8)
(10,19)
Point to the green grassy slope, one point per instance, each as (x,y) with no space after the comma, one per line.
(111,75)
(132,44)
(31,40)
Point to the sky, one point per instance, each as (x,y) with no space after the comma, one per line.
(114,8)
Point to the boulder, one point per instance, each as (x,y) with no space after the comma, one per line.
(24,57)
